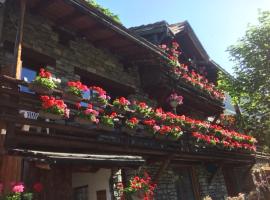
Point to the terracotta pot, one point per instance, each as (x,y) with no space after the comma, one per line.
(46,115)
(104,127)
(71,97)
(40,89)
(139,195)
(83,121)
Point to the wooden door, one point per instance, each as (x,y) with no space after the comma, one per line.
(101,195)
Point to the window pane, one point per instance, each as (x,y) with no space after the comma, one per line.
(27,75)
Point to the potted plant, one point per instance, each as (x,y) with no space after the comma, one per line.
(150,128)
(107,122)
(53,108)
(175,100)
(163,132)
(44,83)
(141,110)
(86,115)
(131,126)
(98,96)
(74,91)
(175,133)
(140,188)
(120,105)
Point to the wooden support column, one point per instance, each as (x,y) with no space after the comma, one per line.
(17,67)
(163,167)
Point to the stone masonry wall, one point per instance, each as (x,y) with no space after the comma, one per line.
(168,185)
(40,36)
(216,189)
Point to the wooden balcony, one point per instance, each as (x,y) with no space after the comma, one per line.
(155,79)
(67,136)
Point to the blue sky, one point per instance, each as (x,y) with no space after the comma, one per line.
(217,23)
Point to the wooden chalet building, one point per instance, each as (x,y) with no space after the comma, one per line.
(75,41)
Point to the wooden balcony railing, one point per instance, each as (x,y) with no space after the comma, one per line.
(26,131)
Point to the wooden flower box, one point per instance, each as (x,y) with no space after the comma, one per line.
(129,131)
(46,115)
(105,128)
(40,89)
(83,121)
(72,97)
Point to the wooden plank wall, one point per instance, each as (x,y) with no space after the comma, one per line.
(10,166)
(57,180)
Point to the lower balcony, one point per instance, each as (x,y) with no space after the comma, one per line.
(25,130)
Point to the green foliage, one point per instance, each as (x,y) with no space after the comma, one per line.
(250,88)
(45,82)
(106,11)
(75,91)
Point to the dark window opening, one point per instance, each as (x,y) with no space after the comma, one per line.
(80,193)
(185,184)
(114,89)
(32,61)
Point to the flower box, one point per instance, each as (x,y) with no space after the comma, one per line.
(161,137)
(105,128)
(129,131)
(83,121)
(96,103)
(46,115)
(40,89)
(171,138)
(119,111)
(71,97)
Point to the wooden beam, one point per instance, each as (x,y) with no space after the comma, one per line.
(163,167)
(18,43)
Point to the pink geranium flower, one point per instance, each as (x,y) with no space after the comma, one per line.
(18,188)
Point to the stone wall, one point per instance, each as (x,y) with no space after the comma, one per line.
(216,189)
(41,36)
(176,183)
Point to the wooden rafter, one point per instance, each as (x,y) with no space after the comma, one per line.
(42,5)
(163,167)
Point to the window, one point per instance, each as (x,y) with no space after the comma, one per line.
(80,193)
(185,184)
(32,61)
(27,75)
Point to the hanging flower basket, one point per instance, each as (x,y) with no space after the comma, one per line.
(40,89)
(71,97)
(46,115)
(138,195)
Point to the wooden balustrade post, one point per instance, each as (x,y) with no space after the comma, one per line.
(17,66)
(10,166)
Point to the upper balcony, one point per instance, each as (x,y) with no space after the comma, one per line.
(187,140)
